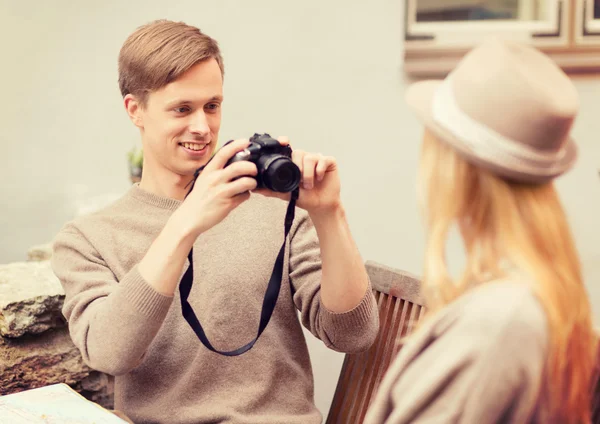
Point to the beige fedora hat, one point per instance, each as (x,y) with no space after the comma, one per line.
(506,107)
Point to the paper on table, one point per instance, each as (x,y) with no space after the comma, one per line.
(54,404)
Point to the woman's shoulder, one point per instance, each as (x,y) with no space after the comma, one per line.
(504,316)
(508,304)
(471,359)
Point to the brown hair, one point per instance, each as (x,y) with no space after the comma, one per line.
(157,53)
(526,225)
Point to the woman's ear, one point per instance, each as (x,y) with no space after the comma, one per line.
(134,110)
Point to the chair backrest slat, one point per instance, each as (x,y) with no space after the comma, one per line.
(400,303)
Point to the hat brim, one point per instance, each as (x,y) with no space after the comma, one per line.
(419,97)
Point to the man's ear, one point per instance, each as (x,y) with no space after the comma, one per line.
(134,109)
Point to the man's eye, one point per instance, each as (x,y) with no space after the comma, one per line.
(182,109)
(213,106)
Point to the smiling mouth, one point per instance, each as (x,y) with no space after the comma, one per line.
(194,146)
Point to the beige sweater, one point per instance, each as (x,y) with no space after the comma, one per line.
(164,374)
(480,360)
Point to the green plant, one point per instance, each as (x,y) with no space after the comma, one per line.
(136,157)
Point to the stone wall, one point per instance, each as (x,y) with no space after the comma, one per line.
(35,347)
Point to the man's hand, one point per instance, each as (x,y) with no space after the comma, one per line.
(320,184)
(344,280)
(218,190)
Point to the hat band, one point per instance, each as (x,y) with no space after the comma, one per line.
(484,142)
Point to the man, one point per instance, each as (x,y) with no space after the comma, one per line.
(120,267)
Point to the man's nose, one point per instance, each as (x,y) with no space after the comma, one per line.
(199,124)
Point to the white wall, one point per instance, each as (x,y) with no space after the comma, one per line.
(325,73)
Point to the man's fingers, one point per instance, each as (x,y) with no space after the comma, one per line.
(308,173)
(298,159)
(239,186)
(225,153)
(325,162)
(283,140)
(238,169)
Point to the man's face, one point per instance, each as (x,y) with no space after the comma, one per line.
(180,122)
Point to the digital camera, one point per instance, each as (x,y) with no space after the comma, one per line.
(276,171)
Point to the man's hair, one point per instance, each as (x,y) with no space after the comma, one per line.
(159,52)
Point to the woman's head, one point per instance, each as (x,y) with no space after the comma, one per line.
(504,224)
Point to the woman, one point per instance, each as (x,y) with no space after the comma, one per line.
(511,339)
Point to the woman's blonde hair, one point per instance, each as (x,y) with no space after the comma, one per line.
(526,226)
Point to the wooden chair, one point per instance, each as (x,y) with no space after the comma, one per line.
(596,390)
(400,306)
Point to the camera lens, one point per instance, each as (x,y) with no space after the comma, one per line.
(280,174)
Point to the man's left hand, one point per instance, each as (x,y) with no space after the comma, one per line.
(320,183)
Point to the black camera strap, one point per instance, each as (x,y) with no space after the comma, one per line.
(269,301)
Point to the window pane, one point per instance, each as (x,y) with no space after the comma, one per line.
(475,10)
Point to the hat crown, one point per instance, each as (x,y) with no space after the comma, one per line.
(518,92)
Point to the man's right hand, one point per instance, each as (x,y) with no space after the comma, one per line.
(215,194)
(218,190)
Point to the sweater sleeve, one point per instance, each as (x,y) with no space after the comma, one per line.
(351,331)
(111,322)
(475,366)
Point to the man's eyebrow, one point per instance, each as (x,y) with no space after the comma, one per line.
(217,98)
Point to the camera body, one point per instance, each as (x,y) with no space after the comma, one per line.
(276,171)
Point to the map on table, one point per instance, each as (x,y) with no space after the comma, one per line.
(54,404)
